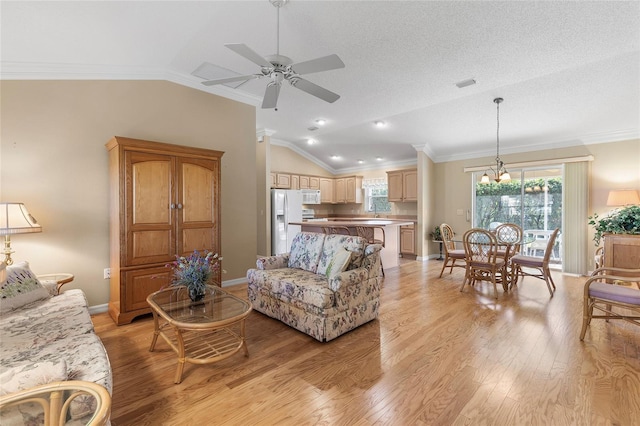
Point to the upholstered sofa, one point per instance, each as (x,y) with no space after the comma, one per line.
(46,337)
(325,286)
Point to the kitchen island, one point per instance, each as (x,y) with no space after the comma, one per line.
(390,227)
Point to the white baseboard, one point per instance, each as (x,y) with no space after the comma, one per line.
(98,309)
(229,283)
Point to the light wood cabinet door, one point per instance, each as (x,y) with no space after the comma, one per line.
(295,182)
(407,240)
(272,180)
(402,185)
(314,182)
(304,182)
(326,190)
(394,186)
(283,180)
(140,283)
(340,193)
(353,189)
(410,185)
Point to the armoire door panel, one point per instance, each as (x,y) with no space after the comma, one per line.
(151,246)
(143,282)
(151,192)
(198,185)
(198,239)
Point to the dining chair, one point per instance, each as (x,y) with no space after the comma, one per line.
(370,234)
(511,234)
(483,262)
(343,230)
(540,264)
(608,287)
(451,254)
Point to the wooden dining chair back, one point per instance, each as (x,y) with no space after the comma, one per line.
(483,262)
(540,264)
(511,234)
(451,254)
(608,288)
(343,230)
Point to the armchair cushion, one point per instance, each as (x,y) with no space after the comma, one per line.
(28,375)
(305,251)
(336,242)
(20,288)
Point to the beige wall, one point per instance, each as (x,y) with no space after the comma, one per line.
(616,165)
(54,160)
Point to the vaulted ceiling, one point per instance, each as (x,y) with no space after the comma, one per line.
(569,72)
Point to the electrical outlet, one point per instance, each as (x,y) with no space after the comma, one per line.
(107,273)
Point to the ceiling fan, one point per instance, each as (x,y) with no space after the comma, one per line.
(279,68)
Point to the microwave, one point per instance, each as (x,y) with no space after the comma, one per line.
(310,196)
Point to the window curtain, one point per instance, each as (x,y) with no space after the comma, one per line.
(376,183)
(574,223)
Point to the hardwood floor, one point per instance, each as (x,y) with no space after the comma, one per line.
(435,356)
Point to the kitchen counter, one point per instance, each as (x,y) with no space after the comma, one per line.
(387,227)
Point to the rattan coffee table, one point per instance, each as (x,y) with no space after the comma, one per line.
(202,332)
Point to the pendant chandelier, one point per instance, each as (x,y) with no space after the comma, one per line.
(501,173)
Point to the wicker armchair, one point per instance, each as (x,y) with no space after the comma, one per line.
(56,399)
(608,288)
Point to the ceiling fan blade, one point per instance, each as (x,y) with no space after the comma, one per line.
(248,53)
(229,79)
(325,63)
(270,99)
(314,89)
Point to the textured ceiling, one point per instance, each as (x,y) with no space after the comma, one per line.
(569,71)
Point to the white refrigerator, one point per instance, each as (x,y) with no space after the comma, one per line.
(286,206)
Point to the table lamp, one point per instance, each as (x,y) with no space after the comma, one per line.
(15,219)
(622,197)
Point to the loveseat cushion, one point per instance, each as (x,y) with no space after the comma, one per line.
(335,242)
(306,248)
(290,283)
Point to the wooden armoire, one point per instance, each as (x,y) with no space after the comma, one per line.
(164,201)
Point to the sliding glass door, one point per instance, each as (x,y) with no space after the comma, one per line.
(531,199)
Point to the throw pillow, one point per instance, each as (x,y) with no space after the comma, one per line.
(29,375)
(21,287)
(338,263)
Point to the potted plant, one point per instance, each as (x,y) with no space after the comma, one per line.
(621,221)
(195,272)
(435,234)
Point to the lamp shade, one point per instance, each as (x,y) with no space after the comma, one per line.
(15,219)
(623,197)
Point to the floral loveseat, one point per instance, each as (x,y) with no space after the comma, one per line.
(327,285)
(46,337)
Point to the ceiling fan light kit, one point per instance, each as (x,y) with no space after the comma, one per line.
(280,68)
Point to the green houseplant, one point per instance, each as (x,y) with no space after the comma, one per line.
(435,234)
(195,272)
(621,221)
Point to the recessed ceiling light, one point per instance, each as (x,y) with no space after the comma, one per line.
(311,141)
(379,123)
(312,128)
(335,157)
(360,161)
(321,121)
(379,158)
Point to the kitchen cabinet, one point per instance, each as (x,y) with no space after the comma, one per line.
(309,182)
(402,185)
(326,190)
(282,181)
(295,182)
(348,190)
(408,239)
(164,201)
